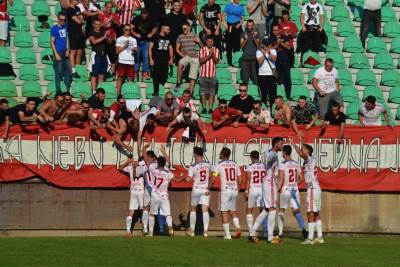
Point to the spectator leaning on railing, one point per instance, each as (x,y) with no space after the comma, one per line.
(334,117)
(259,118)
(4,117)
(370,113)
(303,114)
(225,116)
(243,102)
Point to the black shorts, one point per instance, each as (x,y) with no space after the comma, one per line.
(76,40)
(160,71)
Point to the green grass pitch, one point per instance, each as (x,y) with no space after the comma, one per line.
(197,251)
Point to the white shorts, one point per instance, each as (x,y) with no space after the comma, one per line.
(313,199)
(255,197)
(3,30)
(227,200)
(146,198)
(289,199)
(159,203)
(136,200)
(270,196)
(199,197)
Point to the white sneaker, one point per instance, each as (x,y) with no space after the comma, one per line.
(307,242)
(319,240)
(205,234)
(189,233)
(227,237)
(150,234)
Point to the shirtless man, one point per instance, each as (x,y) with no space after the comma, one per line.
(283,112)
(128,123)
(52,109)
(75,114)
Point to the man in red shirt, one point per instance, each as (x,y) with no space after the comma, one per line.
(4,17)
(290,29)
(225,116)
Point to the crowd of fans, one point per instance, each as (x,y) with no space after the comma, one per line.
(147,45)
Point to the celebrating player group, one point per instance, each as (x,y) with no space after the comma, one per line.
(271,188)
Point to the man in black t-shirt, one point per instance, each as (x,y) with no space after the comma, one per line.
(210,20)
(98,39)
(24,114)
(75,35)
(175,20)
(143,29)
(334,117)
(242,102)
(157,10)
(161,55)
(4,117)
(96,112)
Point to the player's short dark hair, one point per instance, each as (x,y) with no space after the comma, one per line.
(58,95)
(186,91)
(67,94)
(243,85)
(309,148)
(151,117)
(161,161)
(30,99)
(250,21)
(370,99)
(210,37)
(335,104)
(223,101)
(276,140)
(186,110)
(275,25)
(287,150)
(150,153)
(3,101)
(303,97)
(226,152)
(285,12)
(330,60)
(119,97)
(100,91)
(84,101)
(257,102)
(176,1)
(254,154)
(198,151)
(279,97)
(185,23)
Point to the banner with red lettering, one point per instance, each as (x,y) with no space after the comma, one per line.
(367,160)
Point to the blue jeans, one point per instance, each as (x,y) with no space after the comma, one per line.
(142,54)
(62,70)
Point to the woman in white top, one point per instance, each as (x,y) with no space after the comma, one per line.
(266,58)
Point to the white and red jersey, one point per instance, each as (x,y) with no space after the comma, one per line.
(162,178)
(257,173)
(200,172)
(271,163)
(228,172)
(310,173)
(136,176)
(189,104)
(208,69)
(114,112)
(127,10)
(291,171)
(150,178)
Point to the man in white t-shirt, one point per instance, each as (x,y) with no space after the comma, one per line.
(126,48)
(312,24)
(326,85)
(370,113)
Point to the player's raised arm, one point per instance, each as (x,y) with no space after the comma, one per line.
(163,151)
(125,164)
(298,150)
(144,154)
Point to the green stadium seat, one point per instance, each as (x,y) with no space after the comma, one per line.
(83,73)
(395,46)
(81,88)
(17,9)
(131,90)
(311,75)
(12,102)
(253,91)
(5,55)
(224,76)
(345,29)
(19,23)
(196,92)
(226,91)
(352,44)
(173,76)
(236,58)
(40,8)
(46,56)
(8,89)
(44,40)
(23,39)
(359,61)
(150,90)
(396,3)
(280,90)
(354,3)
(340,13)
(376,45)
(366,77)
(338,59)
(345,77)
(333,2)
(28,73)
(390,78)
(327,28)
(48,73)
(299,90)
(387,14)
(349,94)
(384,61)
(311,60)
(333,45)
(51,88)
(297,76)
(108,102)
(374,91)
(57,8)
(352,110)
(391,29)
(109,87)
(394,95)
(26,56)
(295,11)
(31,89)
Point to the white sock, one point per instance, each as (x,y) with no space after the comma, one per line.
(169,221)
(249,220)
(259,220)
(311,228)
(145,220)
(128,223)
(236,222)
(318,225)
(73,70)
(271,224)
(281,222)
(206,220)
(151,224)
(226,229)
(192,220)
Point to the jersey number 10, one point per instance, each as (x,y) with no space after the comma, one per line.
(230,174)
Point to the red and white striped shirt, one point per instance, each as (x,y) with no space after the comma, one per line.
(208,68)
(127,10)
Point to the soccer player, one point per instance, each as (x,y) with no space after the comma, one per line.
(229,174)
(269,191)
(136,171)
(290,175)
(200,173)
(255,173)
(313,193)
